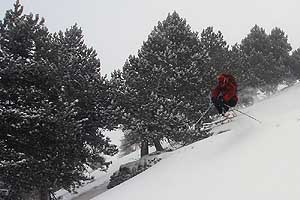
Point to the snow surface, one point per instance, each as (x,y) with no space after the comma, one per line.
(248,161)
(251,161)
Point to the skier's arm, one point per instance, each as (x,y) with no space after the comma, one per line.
(215,92)
(231,92)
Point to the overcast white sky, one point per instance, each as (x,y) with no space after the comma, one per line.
(117,28)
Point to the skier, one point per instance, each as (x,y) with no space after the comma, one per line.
(224,95)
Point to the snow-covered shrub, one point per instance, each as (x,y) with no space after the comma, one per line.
(132,169)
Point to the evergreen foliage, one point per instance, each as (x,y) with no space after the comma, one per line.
(295,62)
(53,102)
(216,52)
(267,57)
(164,82)
(256,47)
(238,66)
(280,49)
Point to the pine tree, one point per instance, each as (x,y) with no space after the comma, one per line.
(295,63)
(279,43)
(256,46)
(118,96)
(216,50)
(238,66)
(53,105)
(216,59)
(267,57)
(280,49)
(164,83)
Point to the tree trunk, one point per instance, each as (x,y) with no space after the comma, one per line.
(44,194)
(38,194)
(144,148)
(157,145)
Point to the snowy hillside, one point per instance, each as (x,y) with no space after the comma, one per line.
(249,161)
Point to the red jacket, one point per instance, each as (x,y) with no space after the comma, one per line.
(226,89)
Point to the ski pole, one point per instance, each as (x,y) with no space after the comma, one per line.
(210,106)
(247,115)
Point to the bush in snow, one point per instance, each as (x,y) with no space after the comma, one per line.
(131,169)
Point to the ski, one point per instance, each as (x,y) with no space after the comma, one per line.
(216,123)
(220,132)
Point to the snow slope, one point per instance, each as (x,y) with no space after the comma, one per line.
(251,161)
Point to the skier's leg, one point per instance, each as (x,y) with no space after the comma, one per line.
(218,105)
(227,105)
(230,103)
(225,108)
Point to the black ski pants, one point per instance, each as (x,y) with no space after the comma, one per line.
(222,106)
